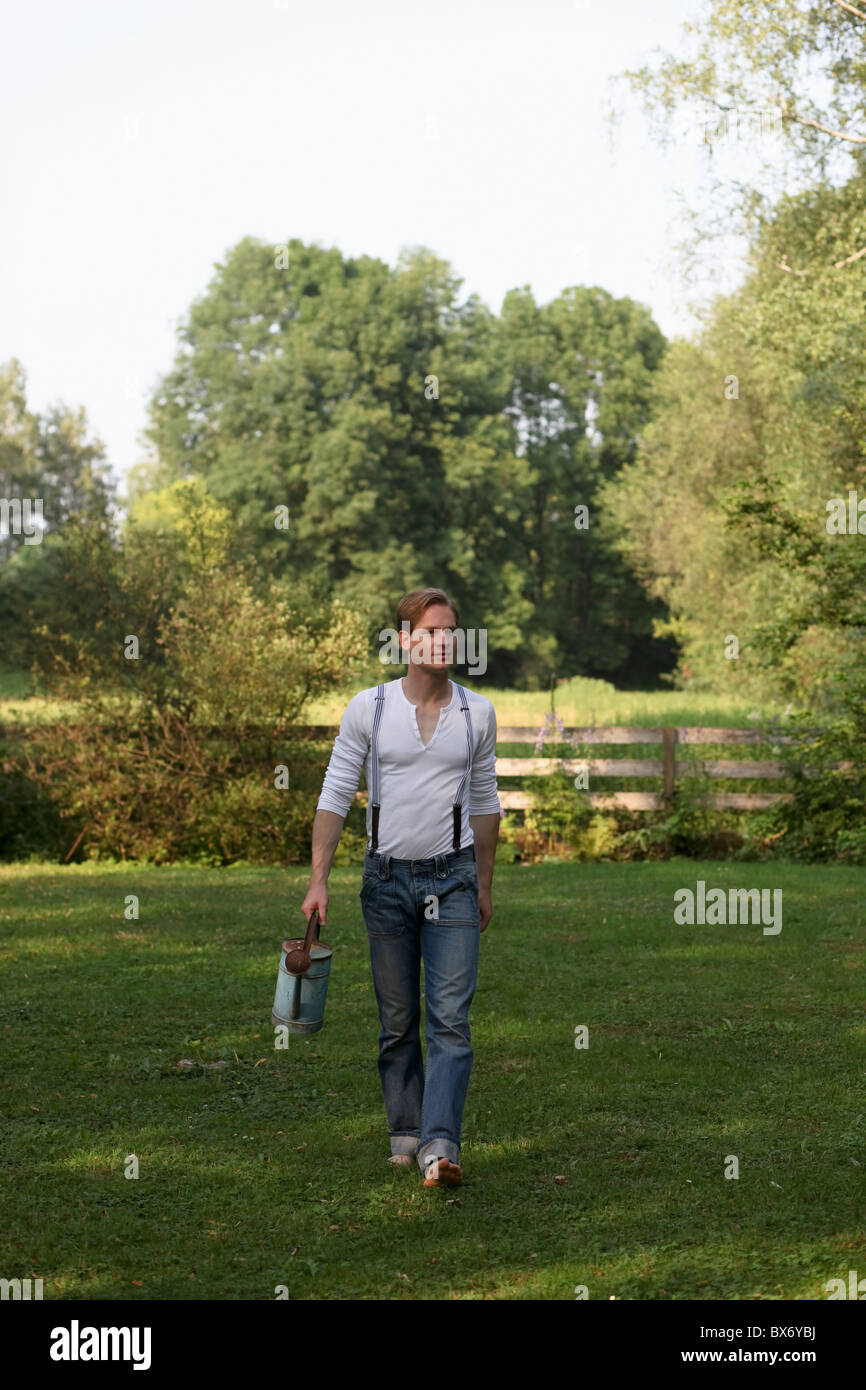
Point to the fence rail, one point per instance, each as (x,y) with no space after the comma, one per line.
(668,768)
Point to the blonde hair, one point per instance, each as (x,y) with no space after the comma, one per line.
(413,605)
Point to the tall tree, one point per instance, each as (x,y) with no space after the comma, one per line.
(367,402)
(49,459)
(581,371)
(796,65)
(762,416)
(389,417)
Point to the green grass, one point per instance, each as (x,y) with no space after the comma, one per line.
(578,702)
(590,702)
(601,1167)
(18,704)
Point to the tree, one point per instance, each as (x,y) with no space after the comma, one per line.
(802,59)
(761,418)
(581,371)
(387,418)
(50,460)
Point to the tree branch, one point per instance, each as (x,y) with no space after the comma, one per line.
(828,130)
(837,265)
(848,259)
(803,120)
(846,6)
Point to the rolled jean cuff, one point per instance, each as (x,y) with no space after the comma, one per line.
(404,1144)
(444,1148)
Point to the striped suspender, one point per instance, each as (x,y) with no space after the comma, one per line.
(374,750)
(456,809)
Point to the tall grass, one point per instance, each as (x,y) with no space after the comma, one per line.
(579,701)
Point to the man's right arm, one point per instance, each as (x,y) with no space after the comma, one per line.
(338,790)
(327,829)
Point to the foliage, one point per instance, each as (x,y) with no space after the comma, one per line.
(759,423)
(799,61)
(179,749)
(49,460)
(826,762)
(415,439)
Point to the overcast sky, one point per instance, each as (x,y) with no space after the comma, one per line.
(143,140)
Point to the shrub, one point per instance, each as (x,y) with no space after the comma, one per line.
(177,753)
(826,818)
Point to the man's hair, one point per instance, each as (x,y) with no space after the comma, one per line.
(412,606)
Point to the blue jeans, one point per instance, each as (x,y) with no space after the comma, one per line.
(414,910)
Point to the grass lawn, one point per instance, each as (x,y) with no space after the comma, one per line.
(579,701)
(601,1167)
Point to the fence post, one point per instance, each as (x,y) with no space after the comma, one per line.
(669,738)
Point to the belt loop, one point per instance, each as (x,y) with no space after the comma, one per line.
(384,866)
(441,866)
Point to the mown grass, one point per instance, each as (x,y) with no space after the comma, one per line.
(601,1167)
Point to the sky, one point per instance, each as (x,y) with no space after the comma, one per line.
(144,140)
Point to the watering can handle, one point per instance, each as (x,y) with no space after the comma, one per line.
(314,921)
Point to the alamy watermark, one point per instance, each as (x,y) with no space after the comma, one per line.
(741,123)
(16,518)
(77,1343)
(846,521)
(452,645)
(20,1289)
(738,905)
(856,1287)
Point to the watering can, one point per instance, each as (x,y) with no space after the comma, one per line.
(302,981)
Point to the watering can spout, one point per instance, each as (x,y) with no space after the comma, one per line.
(298,961)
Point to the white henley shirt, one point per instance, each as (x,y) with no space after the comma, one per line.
(417,784)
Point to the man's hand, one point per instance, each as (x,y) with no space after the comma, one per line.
(317,897)
(485,908)
(485,832)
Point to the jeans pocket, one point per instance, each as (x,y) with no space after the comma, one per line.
(468,877)
(380,907)
(458,901)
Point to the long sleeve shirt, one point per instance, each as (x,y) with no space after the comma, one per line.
(417,784)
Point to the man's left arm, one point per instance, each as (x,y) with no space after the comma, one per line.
(484,815)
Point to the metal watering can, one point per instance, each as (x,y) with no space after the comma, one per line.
(302,981)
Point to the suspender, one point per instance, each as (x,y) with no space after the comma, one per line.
(456,809)
(374,749)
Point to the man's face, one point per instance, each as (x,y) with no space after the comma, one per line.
(428,643)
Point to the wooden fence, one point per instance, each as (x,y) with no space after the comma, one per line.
(668,768)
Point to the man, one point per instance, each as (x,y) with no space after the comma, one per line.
(433,822)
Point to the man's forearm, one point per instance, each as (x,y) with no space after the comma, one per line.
(485,830)
(327,829)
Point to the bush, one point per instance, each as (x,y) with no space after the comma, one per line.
(31,824)
(826,818)
(181,752)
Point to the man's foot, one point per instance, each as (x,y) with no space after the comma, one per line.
(401,1160)
(441,1172)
